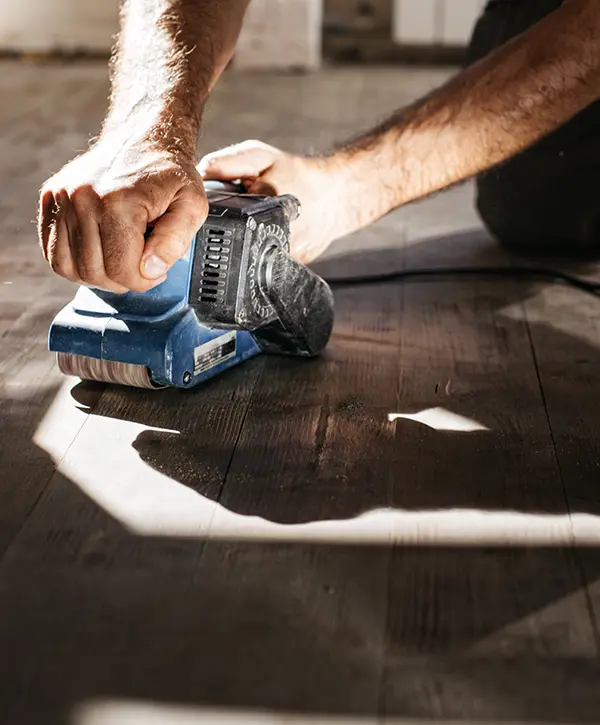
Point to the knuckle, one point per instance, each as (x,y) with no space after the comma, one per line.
(198,204)
(46,194)
(62,269)
(208,158)
(91,275)
(49,204)
(250,144)
(138,216)
(117,210)
(117,199)
(125,277)
(84,198)
(110,201)
(55,264)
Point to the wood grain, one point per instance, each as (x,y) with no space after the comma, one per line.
(34,140)
(564,328)
(232,549)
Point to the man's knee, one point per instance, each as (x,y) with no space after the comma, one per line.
(545,216)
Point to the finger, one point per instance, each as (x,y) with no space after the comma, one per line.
(58,249)
(249,159)
(261,187)
(46,219)
(122,247)
(172,234)
(85,246)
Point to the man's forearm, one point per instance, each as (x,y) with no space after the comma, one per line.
(169,55)
(483,116)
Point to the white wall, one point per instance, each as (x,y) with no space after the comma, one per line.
(281,34)
(278,33)
(38,26)
(437,22)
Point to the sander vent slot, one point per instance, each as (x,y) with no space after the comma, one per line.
(216,265)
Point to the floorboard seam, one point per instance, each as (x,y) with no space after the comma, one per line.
(580,567)
(237,438)
(381,695)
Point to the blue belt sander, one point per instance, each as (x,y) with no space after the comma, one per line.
(236,293)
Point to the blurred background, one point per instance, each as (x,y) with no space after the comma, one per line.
(278,33)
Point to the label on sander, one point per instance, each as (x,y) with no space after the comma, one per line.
(215,352)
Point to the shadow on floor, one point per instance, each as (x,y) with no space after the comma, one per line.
(332,435)
(90,611)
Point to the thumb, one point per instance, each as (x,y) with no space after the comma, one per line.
(172,235)
(245,160)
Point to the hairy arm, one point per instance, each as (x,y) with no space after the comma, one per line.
(169,55)
(483,116)
(141,169)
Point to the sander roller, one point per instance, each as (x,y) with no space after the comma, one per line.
(235,294)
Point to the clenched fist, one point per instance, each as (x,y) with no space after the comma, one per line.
(319,184)
(94,214)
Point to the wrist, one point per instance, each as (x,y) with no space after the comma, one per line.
(367,180)
(155,130)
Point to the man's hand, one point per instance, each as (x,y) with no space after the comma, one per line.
(95,211)
(317,183)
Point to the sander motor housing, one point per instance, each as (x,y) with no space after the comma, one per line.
(236,293)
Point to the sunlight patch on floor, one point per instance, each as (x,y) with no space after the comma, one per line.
(148,713)
(441,419)
(114,712)
(105,465)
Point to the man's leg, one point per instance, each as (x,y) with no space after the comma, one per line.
(546,199)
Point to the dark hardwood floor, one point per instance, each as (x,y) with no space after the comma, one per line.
(404,530)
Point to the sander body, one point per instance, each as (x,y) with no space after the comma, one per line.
(235,294)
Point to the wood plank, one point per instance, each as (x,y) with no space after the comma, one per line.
(502,636)
(30,386)
(564,326)
(151,464)
(139,578)
(303,623)
(481,632)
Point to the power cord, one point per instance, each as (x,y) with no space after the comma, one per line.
(530,273)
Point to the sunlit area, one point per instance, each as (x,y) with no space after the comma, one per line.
(150,503)
(440,419)
(137,713)
(299,362)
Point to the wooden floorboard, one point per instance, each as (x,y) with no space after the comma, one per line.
(564,328)
(274,544)
(36,138)
(469,635)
